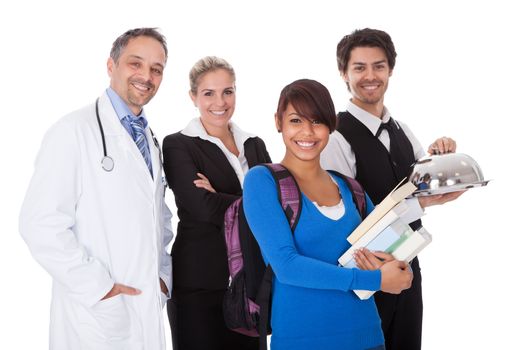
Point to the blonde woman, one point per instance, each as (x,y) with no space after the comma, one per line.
(205,164)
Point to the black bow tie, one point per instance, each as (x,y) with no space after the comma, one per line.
(390,126)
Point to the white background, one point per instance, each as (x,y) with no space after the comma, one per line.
(447,81)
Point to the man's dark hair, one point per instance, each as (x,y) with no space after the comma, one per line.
(365,38)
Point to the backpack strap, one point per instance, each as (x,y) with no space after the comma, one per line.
(289,196)
(357,192)
(289,193)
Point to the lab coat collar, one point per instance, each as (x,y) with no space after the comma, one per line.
(109,118)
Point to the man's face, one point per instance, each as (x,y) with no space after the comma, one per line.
(138,73)
(367,75)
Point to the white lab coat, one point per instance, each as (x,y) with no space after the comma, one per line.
(90,228)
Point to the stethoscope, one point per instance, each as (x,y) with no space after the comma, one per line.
(107,162)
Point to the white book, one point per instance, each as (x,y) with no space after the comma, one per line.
(392,199)
(391,216)
(406,251)
(413,245)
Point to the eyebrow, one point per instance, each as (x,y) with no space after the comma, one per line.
(364,64)
(142,59)
(227,88)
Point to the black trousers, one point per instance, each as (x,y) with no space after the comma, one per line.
(197,323)
(402,314)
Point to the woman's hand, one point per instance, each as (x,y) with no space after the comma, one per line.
(163,287)
(396,276)
(203,182)
(367,260)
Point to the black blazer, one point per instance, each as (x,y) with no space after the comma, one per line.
(199,254)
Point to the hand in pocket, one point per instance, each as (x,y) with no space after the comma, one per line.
(121,289)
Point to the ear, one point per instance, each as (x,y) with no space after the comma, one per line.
(278,124)
(110,64)
(192,97)
(345,76)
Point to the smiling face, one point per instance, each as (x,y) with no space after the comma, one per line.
(304,138)
(215,98)
(367,75)
(138,73)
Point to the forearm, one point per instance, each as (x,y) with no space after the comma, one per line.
(181,171)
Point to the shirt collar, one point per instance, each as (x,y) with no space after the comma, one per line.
(369,120)
(121,108)
(196,129)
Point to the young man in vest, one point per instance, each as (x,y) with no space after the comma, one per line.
(378,151)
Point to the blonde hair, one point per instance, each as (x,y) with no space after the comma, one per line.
(205,65)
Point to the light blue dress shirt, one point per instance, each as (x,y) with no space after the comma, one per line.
(123,111)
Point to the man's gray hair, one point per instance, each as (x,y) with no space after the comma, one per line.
(122,41)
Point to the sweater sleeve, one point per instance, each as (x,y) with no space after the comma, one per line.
(270,227)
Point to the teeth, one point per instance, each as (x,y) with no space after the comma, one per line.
(305,144)
(218,112)
(141,87)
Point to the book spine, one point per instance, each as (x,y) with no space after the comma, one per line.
(380,211)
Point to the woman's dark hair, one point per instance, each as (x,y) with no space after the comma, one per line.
(310,99)
(365,38)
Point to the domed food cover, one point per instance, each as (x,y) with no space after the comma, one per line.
(451,172)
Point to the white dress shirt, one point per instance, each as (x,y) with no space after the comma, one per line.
(239,163)
(339,156)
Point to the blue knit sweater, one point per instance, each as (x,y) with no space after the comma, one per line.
(314,306)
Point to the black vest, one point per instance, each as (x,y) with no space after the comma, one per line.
(374,168)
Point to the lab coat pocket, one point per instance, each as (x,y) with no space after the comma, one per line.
(112,318)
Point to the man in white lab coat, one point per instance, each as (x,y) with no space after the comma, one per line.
(94,215)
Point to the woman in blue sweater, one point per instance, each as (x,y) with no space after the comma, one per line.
(313,305)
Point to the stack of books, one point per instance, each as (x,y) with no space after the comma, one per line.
(384,230)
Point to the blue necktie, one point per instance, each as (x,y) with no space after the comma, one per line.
(140,140)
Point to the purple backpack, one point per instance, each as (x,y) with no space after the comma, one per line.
(247,300)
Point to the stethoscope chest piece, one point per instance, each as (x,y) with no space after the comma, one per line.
(107,163)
